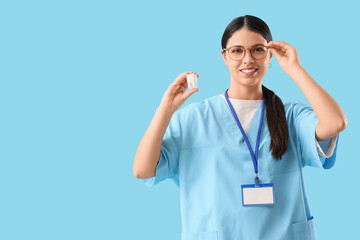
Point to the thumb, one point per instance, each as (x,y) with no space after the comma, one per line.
(190,92)
(275,52)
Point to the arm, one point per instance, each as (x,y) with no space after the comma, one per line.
(331,118)
(149,150)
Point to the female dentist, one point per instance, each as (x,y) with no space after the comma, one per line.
(237,157)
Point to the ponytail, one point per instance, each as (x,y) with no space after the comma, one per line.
(276,121)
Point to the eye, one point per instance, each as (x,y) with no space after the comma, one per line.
(259,50)
(236,50)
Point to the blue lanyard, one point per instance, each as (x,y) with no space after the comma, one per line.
(253,156)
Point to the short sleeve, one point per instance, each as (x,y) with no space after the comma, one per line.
(305,122)
(167,166)
(326,147)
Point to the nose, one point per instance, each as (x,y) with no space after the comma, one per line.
(248,57)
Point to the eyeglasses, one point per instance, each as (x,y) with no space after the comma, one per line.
(237,53)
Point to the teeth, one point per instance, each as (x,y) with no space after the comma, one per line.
(247,71)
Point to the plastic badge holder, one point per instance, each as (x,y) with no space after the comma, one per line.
(191,80)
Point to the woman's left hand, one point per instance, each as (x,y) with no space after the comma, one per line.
(286,55)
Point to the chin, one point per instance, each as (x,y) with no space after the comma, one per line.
(250,82)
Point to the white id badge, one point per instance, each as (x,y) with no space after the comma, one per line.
(262,195)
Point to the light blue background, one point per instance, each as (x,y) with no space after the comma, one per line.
(80,83)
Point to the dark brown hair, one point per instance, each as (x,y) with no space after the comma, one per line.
(275,111)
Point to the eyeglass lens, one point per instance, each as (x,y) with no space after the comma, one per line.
(237,53)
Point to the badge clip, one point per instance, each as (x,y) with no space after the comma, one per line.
(257,181)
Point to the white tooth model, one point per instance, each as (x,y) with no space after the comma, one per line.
(191,80)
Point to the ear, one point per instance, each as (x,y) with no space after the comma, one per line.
(224,56)
(270,56)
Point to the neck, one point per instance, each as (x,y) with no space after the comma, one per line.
(245,92)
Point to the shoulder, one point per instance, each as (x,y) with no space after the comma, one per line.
(299,115)
(295,108)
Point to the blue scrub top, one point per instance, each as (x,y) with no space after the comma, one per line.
(204,153)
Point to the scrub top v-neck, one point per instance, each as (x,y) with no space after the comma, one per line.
(204,153)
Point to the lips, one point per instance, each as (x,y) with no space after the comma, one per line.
(249,71)
(249,68)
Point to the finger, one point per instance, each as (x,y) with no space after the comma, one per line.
(276,52)
(279,44)
(277,48)
(190,92)
(183,89)
(180,86)
(185,84)
(180,79)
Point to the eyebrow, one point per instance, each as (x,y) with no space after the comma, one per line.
(251,46)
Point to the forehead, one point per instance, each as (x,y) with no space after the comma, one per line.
(245,38)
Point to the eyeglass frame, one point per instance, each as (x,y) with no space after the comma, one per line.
(267,51)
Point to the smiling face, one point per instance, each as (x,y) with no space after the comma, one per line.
(247,39)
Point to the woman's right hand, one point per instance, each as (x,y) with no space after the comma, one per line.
(175,95)
(148,153)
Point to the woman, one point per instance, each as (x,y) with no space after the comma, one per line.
(241,177)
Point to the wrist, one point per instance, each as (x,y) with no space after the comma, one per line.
(294,70)
(165,110)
